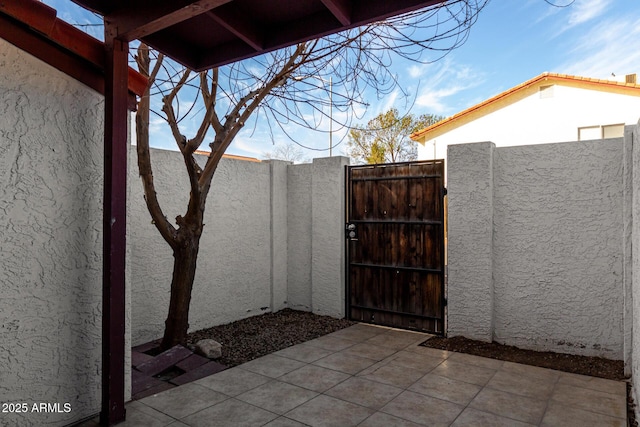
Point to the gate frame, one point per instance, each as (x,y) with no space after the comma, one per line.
(443,267)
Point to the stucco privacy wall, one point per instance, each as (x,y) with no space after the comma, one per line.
(51,139)
(555,250)
(633,134)
(264,225)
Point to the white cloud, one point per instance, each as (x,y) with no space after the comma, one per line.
(446,79)
(612,46)
(586,10)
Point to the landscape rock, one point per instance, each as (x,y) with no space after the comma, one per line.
(209,348)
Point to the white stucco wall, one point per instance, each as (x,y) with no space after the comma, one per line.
(233,278)
(51,139)
(635,289)
(272,239)
(470,299)
(299,238)
(557,246)
(536,120)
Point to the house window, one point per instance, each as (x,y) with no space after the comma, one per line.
(600,132)
(589,132)
(546,91)
(613,131)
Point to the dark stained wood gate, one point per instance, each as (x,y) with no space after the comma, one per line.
(395,244)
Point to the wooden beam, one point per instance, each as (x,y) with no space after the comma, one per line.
(51,53)
(341,9)
(241,28)
(33,27)
(137,21)
(116,117)
(378,10)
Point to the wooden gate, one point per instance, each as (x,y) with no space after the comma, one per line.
(395,249)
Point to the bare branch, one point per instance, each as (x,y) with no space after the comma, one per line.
(166,229)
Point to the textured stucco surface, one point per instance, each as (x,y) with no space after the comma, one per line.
(233,279)
(557,246)
(470,241)
(272,239)
(51,220)
(299,236)
(635,290)
(327,236)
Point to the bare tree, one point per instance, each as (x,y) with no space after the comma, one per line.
(279,89)
(385,139)
(288,151)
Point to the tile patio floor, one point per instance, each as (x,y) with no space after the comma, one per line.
(373,376)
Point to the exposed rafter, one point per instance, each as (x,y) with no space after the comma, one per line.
(202,34)
(137,20)
(341,9)
(238,26)
(33,27)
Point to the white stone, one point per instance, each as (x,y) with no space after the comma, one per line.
(209,348)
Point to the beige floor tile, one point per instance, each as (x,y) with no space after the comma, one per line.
(369,327)
(326,411)
(233,382)
(395,375)
(231,412)
(184,400)
(523,384)
(464,372)
(315,378)
(415,361)
(474,418)
(593,383)
(276,396)
(331,343)
(562,415)
(470,359)
(272,366)
(394,340)
(370,351)
(380,419)
(355,334)
(431,352)
(346,363)
(364,392)
(591,400)
(519,368)
(139,414)
(284,422)
(446,389)
(508,405)
(304,353)
(423,409)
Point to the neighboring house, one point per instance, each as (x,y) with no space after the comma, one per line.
(548,108)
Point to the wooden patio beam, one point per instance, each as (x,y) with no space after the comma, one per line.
(116,143)
(137,21)
(341,9)
(241,28)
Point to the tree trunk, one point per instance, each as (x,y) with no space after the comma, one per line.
(184,271)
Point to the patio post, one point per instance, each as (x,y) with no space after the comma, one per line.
(114,229)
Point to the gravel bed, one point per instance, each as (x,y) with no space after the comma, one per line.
(256,336)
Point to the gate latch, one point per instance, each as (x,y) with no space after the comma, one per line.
(351,232)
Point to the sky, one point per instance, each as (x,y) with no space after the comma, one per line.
(511,42)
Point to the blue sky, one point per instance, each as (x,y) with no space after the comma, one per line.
(512,41)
